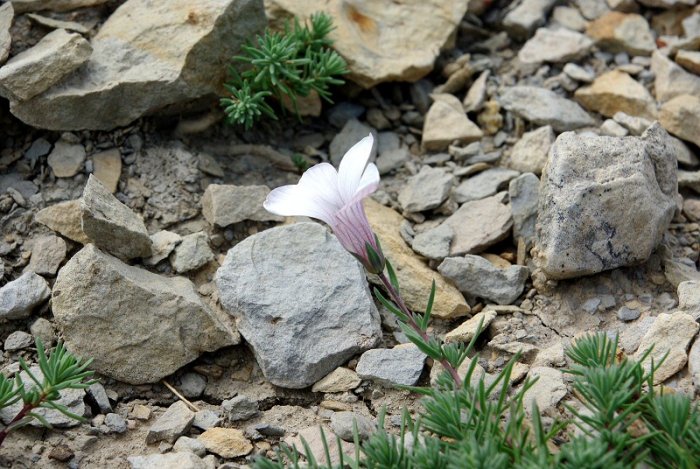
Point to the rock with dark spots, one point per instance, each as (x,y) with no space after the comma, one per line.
(298,339)
(605,202)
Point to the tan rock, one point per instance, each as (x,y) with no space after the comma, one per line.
(226,442)
(446,122)
(339,380)
(64,218)
(614,92)
(108,167)
(670,334)
(415,277)
(382,41)
(681,117)
(622,32)
(313,438)
(690,60)
(465,331)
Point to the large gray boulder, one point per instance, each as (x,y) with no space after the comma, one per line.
(148,55)
(301,301)
(138,327)
(605,202)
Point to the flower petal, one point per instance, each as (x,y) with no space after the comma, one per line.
(353,166)
(322,180)
(294,200)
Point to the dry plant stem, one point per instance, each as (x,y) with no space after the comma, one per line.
(192,407)
(412,322)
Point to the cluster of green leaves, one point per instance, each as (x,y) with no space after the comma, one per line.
(60,371)
(622,421)
(289,64)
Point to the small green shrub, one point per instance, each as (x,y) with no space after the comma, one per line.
(292,63)
(622,421)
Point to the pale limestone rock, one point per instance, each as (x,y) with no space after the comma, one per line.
(615,92)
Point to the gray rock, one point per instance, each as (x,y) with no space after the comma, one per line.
(18,340)
(190,445)
(479,224)
(544,107)
(554,46)
(353,131)
(671,79)
(97,394)
(47,254)
(206,419)
(341,113)
(179,460)
(297,340)
(7,14)
(58,24)
(627,314)
(524,194)
(592,9)
(426,190)
(224,205)
(392,159)
(343,424)
(578,73)
(402,364)
(529,154)
(175,422)
(66,159)
(475,97)
(162,244)
(19,297)
(110,224)
(592,182)
(689,298)
(569,18)
(484,184)
(435,243)
(239,408)
(446,122)
(635,124)
(476,276)
(192,253)
(38,68)
(138,326)
(22,6)
(548,390)
(522,20)
(147,54)
(613,129)
(72,399)
(115,423)
(43,330)
(694,364)
(192,385)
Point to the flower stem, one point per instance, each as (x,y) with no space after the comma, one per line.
(414,325)
(20,415)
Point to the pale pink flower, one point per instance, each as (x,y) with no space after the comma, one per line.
(335,197)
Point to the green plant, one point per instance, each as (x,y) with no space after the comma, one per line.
(291,63)
(60,371)
(626,422)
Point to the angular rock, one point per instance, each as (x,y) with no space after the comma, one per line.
(529,154)
(224,205)
(150,54)
(690,60)
(694,364)
(58,24)
(465,332)
(314,438)
(7,14)
(47,254)
(66,159)
(622,32)
(415,277)
(592,182)
(192,385)
(522,20)
(96,394)
(554,46)
(402,364)
(339,380)
(108,168)
(189,445)
(435,243)
(192,253)
(226,442)
(110,224)
(19,297)
(64,218)
(544,107)
(37,69)
(239,408)
(175,422)
(613,129)
(475,276)
(670,334)
(43,329)
(115,423)
(524,194)
(22,6)
(636,125)
(548,390)
(179,460)
(479,224)
(344,425)
(671,80)
(390,160)
(382,41)
(484,184)
(296,339)
(18,340)
(137,326)
(352,132)
(681,117)
(426,190)
(615,92)
(689,298)
(578,73)
(446,122)
(163,243)
(568,17)
(592,9)
(475,97)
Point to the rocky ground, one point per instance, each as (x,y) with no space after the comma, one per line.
(543,169)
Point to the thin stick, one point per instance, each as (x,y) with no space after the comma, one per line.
(192,407)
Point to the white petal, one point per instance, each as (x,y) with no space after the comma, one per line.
(322,180)
(352,167)
(294,200)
